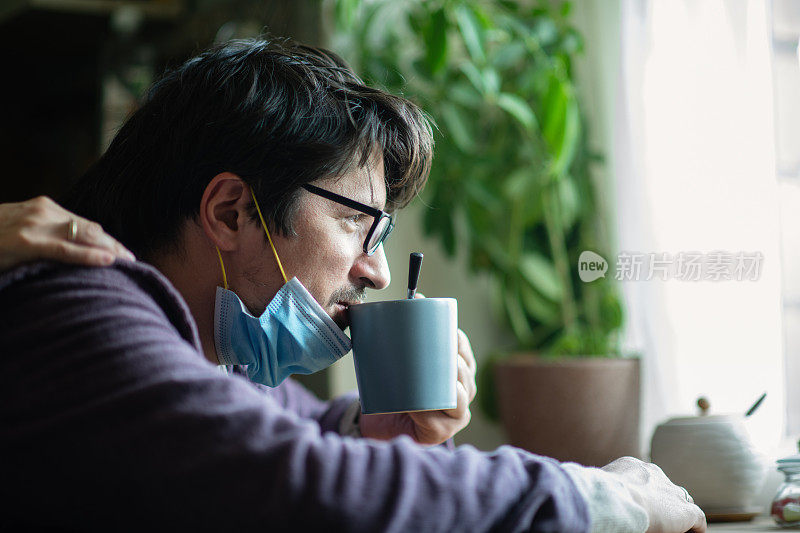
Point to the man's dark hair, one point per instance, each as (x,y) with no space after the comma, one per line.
(275,113)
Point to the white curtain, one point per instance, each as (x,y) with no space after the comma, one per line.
(694,158)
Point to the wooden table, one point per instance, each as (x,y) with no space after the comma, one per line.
(757,525)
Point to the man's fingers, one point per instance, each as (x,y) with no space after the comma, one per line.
(695,519)
(688,515)
(467,378)
(465,350)
(697,515)
(434,427)
(462,404)
(700,524)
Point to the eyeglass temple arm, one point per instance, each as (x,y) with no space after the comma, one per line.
(344,200)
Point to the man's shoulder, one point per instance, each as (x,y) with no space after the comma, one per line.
(122,273)
(47,287)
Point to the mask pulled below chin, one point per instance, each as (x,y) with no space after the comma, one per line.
(294,335)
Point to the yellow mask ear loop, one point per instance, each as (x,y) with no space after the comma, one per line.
(269,238)
(278,259)
(224,277)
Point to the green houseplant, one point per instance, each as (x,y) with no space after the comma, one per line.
(512,177)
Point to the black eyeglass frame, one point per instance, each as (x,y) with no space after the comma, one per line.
(375,213)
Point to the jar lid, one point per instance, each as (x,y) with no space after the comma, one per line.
(703,420)
(789,465)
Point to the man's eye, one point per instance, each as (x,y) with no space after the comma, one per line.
(357,218)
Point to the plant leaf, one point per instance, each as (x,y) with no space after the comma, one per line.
(570,201)
(345,13)
(465,95)
(497,253)
(484,196)
(569,343)
(509,55)
(554,111)
(519,109)
(572,42)
(456,127)
(436,41)
(516,317)
(518,183)
(611,313)
(491,80)
(541,274)
(474,76)
(545,31)
(561,124)
(543,310)
(471,32)
(565,152)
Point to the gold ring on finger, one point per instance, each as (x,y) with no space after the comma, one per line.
(72,230)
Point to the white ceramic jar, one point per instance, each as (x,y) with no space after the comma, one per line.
(714,458)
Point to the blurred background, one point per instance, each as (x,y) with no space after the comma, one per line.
(645,131)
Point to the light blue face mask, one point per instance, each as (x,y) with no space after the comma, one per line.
(294,334)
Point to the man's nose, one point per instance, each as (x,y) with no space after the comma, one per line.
(373,270)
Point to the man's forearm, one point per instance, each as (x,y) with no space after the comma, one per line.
(330,414)
(115,419)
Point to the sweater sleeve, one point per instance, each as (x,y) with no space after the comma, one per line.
(112,419)
(294,397)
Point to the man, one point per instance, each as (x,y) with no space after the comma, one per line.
(237,180)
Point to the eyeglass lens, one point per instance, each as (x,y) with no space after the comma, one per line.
(379,234)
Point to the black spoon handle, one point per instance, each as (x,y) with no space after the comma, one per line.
(414,265)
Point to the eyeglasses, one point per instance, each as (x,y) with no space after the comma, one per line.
(381,227)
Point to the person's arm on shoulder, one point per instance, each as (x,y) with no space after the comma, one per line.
(41,229)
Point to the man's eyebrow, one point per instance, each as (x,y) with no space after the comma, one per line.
(371,203)
(374,203)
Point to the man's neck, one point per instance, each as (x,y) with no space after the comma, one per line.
(188,271)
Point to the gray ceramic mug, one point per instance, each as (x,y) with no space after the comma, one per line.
(405,354)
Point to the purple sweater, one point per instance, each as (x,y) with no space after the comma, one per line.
(111,418)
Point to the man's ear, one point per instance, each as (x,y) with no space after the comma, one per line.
(223,210)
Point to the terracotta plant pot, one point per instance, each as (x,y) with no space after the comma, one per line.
(584,410)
